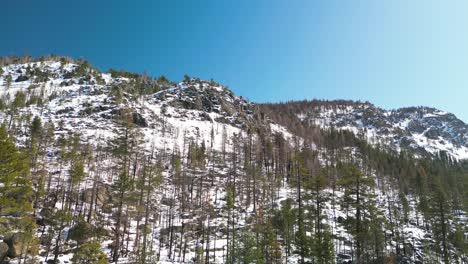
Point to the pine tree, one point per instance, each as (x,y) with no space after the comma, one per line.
(247,249)
(358,197)
(60,220)
(322,243)
(124,147)
(15,187)
(302,173)
(89,253)
(151,180)
(229,207)
(440,212)
(285,222)
(322,247)
(15,195)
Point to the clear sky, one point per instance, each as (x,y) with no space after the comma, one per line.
(392,53)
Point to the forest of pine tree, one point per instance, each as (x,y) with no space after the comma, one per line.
(249,196)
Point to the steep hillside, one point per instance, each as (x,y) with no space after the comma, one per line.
(76,97)
(421,129)
(126,168)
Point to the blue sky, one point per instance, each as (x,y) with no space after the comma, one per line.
(392,53)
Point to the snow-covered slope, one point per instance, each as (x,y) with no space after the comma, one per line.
(77,98)
(422,129)
(84,99)
(90,102)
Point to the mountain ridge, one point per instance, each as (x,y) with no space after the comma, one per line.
(143,169)
(421,129)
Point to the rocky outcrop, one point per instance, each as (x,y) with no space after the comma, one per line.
(15,245)
(3,251)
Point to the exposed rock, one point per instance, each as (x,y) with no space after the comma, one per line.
(139,120)
(3,251)
(101,197)
(22,78)
(432,133)
(14,245)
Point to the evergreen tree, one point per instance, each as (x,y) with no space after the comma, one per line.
(285,221)
(322,243)
(14,185)
(124,147)
(89,253)
(229,207)
(152,179)
(358,197)
(323,248)
(15,196)
(440,212)
(247,250)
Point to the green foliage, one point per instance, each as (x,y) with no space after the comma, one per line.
(77,173)
(247,250)
(176,168)
(19,101)
(60,219)
(302,241)
(197,155)
(36,127)
(163,81)
(366,224)
(322,248)
(81,232)
(118,93)
(405,205)
(34,100)
(230,197)
(3,104)
(41,76)
(15,194)
(89,253)
(459,240)
(123,73)
(63,62)
(82,69)
(464,185)
(15,188)
(284,221)
(440,215)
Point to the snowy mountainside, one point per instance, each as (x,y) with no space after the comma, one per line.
(421,129)
(86,101)
(226,167)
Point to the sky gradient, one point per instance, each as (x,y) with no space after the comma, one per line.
(392,53)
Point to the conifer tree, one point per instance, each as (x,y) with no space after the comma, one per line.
(440,212)
(123,147)
(322,243)
(286,221)
(89,253)
(358,197)
(15,195)
(151,180)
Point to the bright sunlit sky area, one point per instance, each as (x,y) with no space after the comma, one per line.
(392,53)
